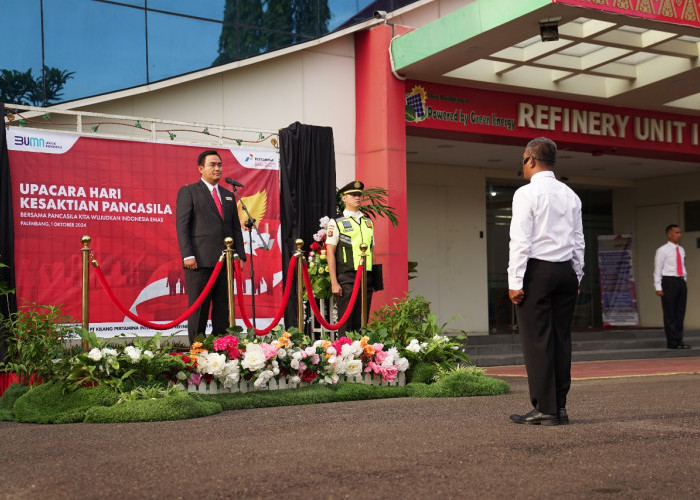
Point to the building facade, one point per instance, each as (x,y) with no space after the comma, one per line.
(435,101)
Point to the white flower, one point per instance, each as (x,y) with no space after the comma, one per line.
(393,352)
(320,235)
(281,354)
(133,353)
(323,221)
(413,346)
(109,352)
(253,358)
(295,363)
(212,363)
(340,366)
(402,364)
(353,367)
(181,376)
(263,378)
(95,354)
(295,379)
(148,354)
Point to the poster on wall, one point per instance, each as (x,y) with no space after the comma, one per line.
(122,194)
(617,286)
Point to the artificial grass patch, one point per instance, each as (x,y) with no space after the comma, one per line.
(423,373)
(49,404)
(7,401)
(459,384)
(175,406)
(313,394)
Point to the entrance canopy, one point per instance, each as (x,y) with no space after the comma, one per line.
(639,54)
(621,57)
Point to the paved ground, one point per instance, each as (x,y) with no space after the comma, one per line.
(631,437)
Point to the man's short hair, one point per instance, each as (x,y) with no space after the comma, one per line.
(543,149)
(202,156)
(671,226)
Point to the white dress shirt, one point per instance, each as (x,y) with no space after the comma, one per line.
(665,263)
(546,225)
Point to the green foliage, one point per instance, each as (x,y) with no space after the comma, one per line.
(412,269)
(374,204)
(470,370)
(147,392)
(8,398)
(19,87)
(407,318)
(459,384)
(123,367)
(48,403)
(173,405)
(36,346)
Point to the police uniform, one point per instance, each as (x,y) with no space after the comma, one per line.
(348,233)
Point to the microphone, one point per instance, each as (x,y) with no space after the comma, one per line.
(233,183)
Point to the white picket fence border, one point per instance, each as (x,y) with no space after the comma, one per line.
(274,385)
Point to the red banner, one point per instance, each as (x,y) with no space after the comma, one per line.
(122,194)
(670,11)
(472,114)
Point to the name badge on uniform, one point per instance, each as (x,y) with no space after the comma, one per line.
(347,225)
(369,223)
(228,198)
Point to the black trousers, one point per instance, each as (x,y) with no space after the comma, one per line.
(196,280)
(347,282)
(544,319)
(673,303)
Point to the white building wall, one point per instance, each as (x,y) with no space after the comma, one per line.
(447,237)
(315,86)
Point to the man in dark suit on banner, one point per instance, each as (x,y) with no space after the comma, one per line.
(206,213)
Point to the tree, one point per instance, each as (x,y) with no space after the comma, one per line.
(19,87)
(253,27)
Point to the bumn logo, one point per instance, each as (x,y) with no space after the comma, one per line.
(36,142)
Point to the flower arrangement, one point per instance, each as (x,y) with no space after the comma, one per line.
(318,265)
(292,357)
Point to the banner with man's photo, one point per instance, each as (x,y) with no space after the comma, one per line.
(122,194)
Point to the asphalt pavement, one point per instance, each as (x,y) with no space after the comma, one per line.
(629,437)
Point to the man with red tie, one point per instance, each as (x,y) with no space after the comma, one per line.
(206,214)
(669,282)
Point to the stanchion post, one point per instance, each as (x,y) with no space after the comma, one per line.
(300,284)
(363,260)
(231,256)
(86,240)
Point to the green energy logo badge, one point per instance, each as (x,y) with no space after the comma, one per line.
(415,105)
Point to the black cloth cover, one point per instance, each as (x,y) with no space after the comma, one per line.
(8,304)
(307,192)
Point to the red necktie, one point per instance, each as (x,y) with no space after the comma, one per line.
(679,262)
(217,201)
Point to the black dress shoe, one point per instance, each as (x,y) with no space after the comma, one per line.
(562,416)
(679,346)
(536,417)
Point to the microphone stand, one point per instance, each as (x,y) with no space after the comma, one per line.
(250,224)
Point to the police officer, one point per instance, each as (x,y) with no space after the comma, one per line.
(343,239)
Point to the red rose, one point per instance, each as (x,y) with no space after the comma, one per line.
(315,246)
(308,376)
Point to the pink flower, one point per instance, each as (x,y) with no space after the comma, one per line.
(389,372)
(338,344)
(196,378)
(269,350)
(379,355)
(373,367)
(225,343)
(233,353)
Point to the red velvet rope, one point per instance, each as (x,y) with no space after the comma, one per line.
(314,307)
(163,326)
(283,306)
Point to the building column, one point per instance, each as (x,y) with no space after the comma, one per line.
(380,152)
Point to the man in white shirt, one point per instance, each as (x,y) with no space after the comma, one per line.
(669,282)
(544,272)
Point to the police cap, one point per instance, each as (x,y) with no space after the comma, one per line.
(353,187)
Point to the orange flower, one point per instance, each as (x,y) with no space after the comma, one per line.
(364,340)
(196,348)
(369,350)
(327,344)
